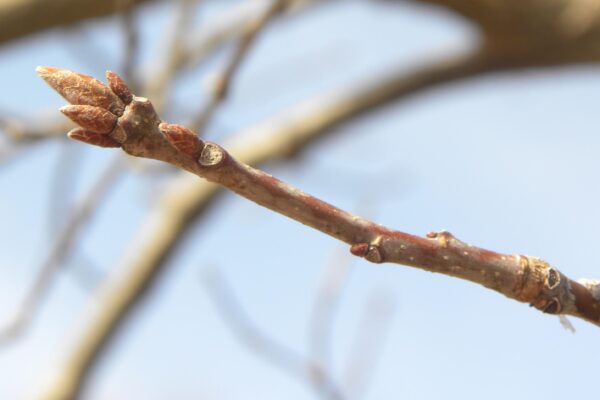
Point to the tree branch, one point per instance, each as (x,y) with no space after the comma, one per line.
(19,18)
(220,88)
(139,132)
(60,251)
(296,364)
(276,138)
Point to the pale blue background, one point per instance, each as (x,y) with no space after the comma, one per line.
(507,162)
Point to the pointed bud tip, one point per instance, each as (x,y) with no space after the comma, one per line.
(44,71)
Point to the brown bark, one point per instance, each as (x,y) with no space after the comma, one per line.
(534,32)
(19,18)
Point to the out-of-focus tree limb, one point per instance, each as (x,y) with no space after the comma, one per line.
(62,248)
(287,359)
(220,89)
(276,138)
(535,32)
(19,18)
(195,47)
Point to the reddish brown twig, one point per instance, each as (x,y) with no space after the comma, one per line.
(139,132)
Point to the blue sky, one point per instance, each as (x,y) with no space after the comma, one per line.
(506,162)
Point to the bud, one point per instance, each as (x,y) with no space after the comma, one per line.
(95,138)
(91,118)
(80,89)
(119,87)
(182,139)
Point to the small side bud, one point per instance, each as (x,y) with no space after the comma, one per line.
(359,249)
(119,87)
(81,89)
(91,118)
(182,139)
(95,138)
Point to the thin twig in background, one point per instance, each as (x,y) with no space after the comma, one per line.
(20,133)
(371,333)
(285,358)
(326,303)
(19,136)
(228,25)
(131,41)
(171,54)
(192,48)
(220,87)
(62,186)
(61,249)
(277,138)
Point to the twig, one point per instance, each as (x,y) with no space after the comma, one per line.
(131,40)
(222,83)
(230,24)
(195,47)
(368,344)
(278,137)
(60,250)
(18,133)
(325,307)
(19,136)
(140,133)
(288,360)
(172,53)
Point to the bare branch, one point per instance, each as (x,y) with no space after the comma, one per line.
(368,344)
(288,360)
(195,47)
(276,138)
(19,18)
(325,307)
(131,41)
(220,87)
(523,278)
(60,251)
(172,53)
(18,135)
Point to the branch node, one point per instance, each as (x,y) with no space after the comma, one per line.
(543,286)
(369,251)
(443,237)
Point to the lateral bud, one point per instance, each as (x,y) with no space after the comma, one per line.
(182,138)
(90,137)
(119,87)
(91,118)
